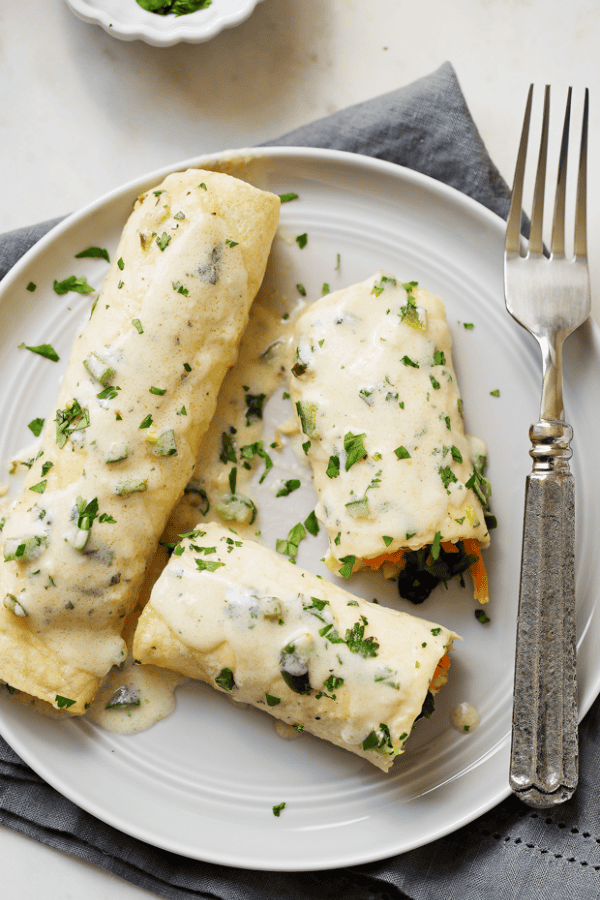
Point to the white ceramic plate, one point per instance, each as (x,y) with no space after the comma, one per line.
(126,20)
(203,782)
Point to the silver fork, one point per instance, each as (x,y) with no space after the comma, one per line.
(550,297)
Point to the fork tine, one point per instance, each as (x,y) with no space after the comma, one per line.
(513,229)
(536,239)
(580,247)
(558,226)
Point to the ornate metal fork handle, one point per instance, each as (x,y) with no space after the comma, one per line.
(549,297)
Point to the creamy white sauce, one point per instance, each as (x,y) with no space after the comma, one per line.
(465,718)
(380,410)
(164,332)
(295,645)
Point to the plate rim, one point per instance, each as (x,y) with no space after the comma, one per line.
(136,185)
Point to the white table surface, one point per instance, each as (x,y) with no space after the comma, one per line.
(83,113)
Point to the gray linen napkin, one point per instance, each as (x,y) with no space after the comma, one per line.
(512,852)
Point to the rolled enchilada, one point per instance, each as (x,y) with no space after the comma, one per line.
(240,617)
(116,453)
(378,401)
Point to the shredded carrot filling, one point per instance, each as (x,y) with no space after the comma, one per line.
(377,561)
(439,676)
(478,572)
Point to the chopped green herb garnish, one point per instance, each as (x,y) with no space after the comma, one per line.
(439,358)
(289,545)
(380,286)
(301,290)
(137,325)
(187,367)
(402,453)
(146,423)
(292,484)
(306,446)
(387,540)
(208,565)
(158,391)
(64,702)
(333,467)
(93,253)
(225,680)
(272,701)
(31,287)
(481,617)
(44,350)
(355,449)
(436,631)
(121,263)
(72,283)
(346,569)
(409,362)
(435,383)
(495,393)
(302,240)
(163,241)
(36,426)
(286,198)
(177,286)
(68,420)
(40,487)
(435,547)
(468,326)
(277,809)
(227,449)
(311,524)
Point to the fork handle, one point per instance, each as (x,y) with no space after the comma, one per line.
(544,753)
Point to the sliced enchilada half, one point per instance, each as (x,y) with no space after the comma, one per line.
(378,401)
(116,453)
(238,616)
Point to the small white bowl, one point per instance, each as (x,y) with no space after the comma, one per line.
(127,21)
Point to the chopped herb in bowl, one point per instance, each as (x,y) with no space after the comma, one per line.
(177,7)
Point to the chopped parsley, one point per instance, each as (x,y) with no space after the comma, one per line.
(381,284)
(402,453)
(292,484)
(208,565)
(225,680)
(227,449)
(272,701)
(121,263)
(277,809)
(146,423)
(72,283)
(387,540)
(439,358)
(468,326)
(254,407)
(311,524)
(163,241)
(73,418)
(64,702)
(302,240)
(44,350)
(481,617)
(93,253)
(286,198)
(158,391)
(40,487)
(301,290)
(333,467)
(31,287)
(409,362)
(137,325)
(36,426)
(289,546)
(495,393)
(346,569)
(355,449)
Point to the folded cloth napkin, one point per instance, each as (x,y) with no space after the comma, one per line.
(512,851)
